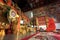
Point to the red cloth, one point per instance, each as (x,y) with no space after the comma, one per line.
(51,25)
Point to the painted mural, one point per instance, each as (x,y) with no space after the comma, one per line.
(52,10)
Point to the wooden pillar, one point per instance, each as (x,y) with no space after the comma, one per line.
(37,21)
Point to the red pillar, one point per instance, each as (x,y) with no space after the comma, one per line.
(18,25)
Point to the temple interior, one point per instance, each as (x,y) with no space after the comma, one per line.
(29,19)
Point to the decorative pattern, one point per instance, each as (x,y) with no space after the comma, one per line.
(4,9)
(41,20)
(52,10)
(44,36)
(12,13)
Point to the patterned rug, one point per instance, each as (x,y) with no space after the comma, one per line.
(44,36)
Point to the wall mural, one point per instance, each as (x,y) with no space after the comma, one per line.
(52,10)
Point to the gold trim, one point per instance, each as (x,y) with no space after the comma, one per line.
(11,13)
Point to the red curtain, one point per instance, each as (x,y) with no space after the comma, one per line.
(51,25)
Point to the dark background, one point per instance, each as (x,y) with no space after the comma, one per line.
(25,4)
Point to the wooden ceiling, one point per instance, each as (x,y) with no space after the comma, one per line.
(27,5)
